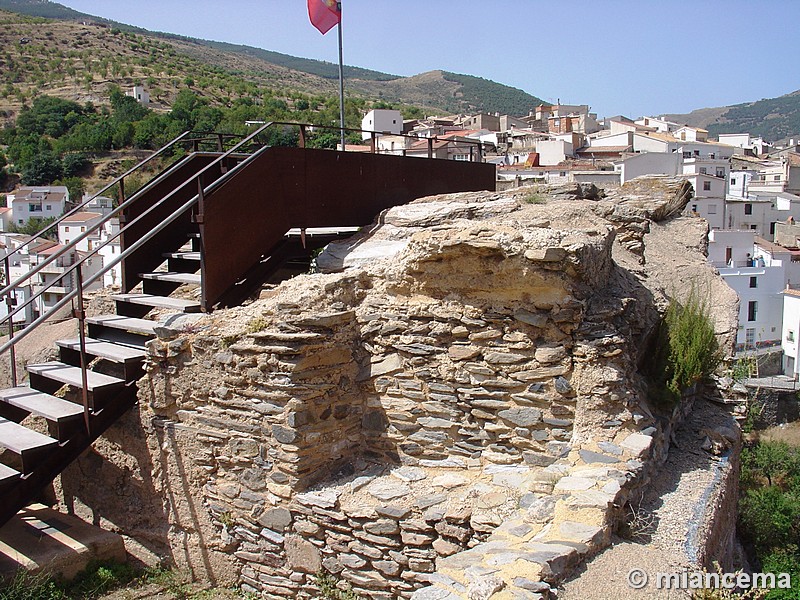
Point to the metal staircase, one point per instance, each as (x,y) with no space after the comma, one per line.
(219,220)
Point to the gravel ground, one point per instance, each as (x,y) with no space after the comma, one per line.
(667,517)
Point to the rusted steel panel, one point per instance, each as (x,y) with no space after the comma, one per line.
(283,188)
(238,228)
(149,256)
(350,188)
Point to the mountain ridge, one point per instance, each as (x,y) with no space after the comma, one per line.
(449,92)
(774,119)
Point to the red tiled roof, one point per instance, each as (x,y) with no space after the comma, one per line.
(42,246)
(48,251)
(602,149)
(81,217)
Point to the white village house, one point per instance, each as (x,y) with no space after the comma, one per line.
(39,202)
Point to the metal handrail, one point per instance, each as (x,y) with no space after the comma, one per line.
(106,188)
(135,246)
(107,217)
(374,134)
(69,296)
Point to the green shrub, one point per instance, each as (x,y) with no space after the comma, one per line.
(769,511)
(25,586)
(783,560)
(99,578)
(534,198)
(686,349)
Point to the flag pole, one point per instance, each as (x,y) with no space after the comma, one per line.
(341,79)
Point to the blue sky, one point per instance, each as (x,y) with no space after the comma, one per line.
(631,57)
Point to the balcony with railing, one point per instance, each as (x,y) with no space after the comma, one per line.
(52,269)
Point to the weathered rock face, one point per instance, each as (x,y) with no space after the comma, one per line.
(466,376)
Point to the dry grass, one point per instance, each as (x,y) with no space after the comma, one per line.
(789,433)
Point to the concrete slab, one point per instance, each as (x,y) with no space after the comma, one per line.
(40,539)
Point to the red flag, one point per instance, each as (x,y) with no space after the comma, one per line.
(324,14)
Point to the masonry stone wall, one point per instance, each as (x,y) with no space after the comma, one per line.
(474,391)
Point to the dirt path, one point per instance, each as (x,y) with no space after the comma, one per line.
(670,517)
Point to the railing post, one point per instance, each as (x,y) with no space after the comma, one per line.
(430,147)
(372,142)
(80,314)
(122,190)
(302,142)
(200,191)
(220,145)
(9,306)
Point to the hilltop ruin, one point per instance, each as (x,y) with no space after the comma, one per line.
(455,400)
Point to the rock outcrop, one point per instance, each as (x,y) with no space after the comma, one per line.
(453,407)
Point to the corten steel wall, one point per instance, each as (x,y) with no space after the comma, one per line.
(150,255)
(286,188)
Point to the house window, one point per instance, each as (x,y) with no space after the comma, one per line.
(66,229)
(733,181)
(20,221)
(706,186)
(703,170)
(563,174)
(752,310)
(777,177)
(748,209)
(712,209)
(754,282)
(720,172)
(772,228)
(34,207)
(750,337)
(694,207)
(83,229)
(789,335)
(49,207)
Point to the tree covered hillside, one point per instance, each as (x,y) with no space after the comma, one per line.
(772,118)
(87,53)
(488,96)
(57,141)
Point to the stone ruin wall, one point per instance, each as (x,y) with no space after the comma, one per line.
(399,425)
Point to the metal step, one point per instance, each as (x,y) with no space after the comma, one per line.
(177,304)
(323,231)
(105,350)
(70,375)
(25,443)
(141,326)
(8,475)
(193,255)
(173,277)
(41,404)
(62,415)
